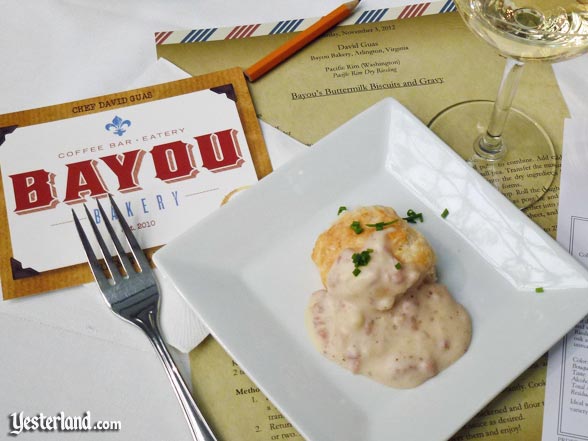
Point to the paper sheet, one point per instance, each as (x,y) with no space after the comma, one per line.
(566,399)
(352,67)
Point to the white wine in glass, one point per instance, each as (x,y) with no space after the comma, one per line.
(495,138)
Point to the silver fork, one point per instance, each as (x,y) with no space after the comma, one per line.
(134,296)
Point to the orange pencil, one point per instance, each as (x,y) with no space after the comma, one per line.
(299,41)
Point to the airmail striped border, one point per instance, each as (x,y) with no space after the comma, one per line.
(286,26)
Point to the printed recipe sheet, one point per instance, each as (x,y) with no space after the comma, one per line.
(566,400)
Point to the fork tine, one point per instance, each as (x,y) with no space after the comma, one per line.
(110,263)
(135,247)
(92,260)
(122,255)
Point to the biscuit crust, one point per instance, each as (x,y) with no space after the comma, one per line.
(405,243)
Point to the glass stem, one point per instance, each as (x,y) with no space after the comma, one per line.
(490,145)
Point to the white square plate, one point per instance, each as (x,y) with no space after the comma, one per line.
(246,270)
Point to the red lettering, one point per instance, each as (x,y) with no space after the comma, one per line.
(126,168)
(83,180)
(173,161)
(34,191)
(220,150)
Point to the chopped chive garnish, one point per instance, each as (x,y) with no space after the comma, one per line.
(356,226)
(361,259)
(342,208)
(412,216)
(380,225)
(445,213)
(398,265)
(539,290)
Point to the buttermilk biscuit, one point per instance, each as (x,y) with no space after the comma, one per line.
(405,243)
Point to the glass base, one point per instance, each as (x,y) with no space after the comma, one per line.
(527,169)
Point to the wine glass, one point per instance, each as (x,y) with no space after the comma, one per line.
(505,145)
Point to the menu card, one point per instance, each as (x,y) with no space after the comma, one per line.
(169,154)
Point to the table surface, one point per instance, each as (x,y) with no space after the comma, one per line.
(65,351)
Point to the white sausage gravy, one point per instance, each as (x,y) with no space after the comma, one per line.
(389,322)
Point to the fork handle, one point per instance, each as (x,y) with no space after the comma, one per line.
(200,429)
